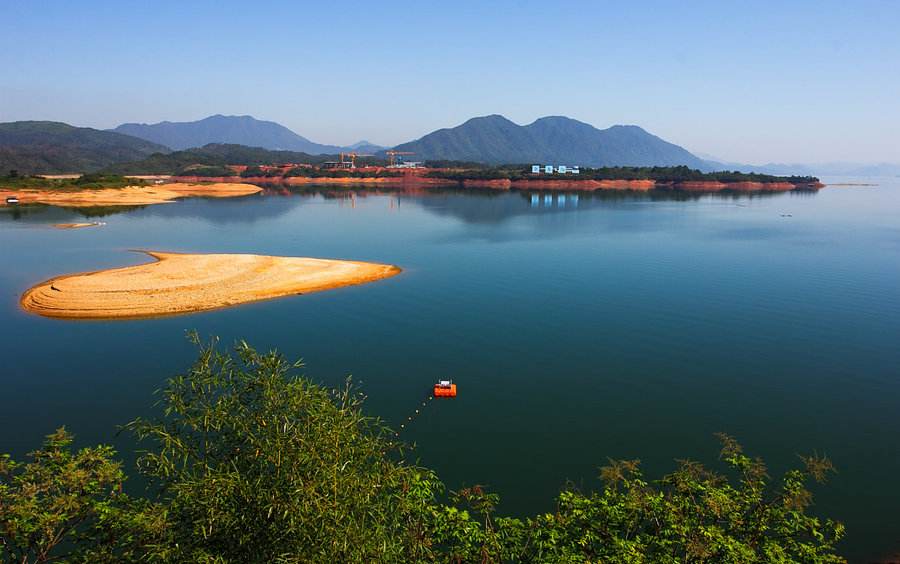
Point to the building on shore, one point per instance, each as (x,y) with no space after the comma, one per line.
(338,165)
(408,164)
(558,169)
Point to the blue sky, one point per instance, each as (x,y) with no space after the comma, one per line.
(745,81)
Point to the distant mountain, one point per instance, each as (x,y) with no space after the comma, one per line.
(556,140)
(236,130)
(35,147)
(815,169)
(365,148)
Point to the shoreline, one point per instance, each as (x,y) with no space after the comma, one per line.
(179,283)
(571,185)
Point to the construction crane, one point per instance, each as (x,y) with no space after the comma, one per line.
(392,156)
(352,156)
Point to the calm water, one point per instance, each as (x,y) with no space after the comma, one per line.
(626,326)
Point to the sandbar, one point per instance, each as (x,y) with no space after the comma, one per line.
(129,195)
(178,283)
(76,225)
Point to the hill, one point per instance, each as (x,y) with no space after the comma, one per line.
(36,147)
(212,155)
(236,130)
(555,139)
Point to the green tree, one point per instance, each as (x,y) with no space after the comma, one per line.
(47,504)
(256,464)
(691,515)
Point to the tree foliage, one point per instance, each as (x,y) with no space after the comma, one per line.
(85,181)
(48,503)
(256,464)
(250,462)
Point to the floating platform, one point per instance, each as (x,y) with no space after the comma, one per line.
(445,389)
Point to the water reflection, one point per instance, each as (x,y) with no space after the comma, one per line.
(472,206)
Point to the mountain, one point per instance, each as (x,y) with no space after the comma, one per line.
(557,140)
(364,148)
(236,130)
(35,147)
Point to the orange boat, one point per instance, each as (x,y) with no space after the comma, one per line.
(445,389)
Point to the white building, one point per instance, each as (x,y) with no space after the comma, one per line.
(550,169)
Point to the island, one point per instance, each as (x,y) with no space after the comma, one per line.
(178,283)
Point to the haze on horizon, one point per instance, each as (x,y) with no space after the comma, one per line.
(768,82)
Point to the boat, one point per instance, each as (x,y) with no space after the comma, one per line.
(12,200)
(445,389)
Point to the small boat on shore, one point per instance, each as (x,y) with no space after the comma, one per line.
(12,200)
(445,389)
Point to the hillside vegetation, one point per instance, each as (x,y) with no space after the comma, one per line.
(46,147)
(250,462)
(213,155)
(218,155)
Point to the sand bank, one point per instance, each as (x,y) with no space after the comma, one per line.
(184,283)
(77,225)
(128,196)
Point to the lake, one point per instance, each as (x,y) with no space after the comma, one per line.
(577,327)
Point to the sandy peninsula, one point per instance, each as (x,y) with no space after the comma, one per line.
(185,283)
(128,196)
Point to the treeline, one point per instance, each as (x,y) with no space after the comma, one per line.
(220,155)
(341,173)
(313,172)
(686,174)
(213,155)
(250,462)
(656,173)
(86,181)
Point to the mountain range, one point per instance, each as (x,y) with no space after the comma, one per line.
(554,140)
(35,147)
(52,147)
(235,130)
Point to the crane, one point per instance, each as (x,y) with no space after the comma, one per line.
(392,156)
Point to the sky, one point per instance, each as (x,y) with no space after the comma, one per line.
(750,82)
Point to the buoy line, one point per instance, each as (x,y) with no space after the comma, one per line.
(412,417)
